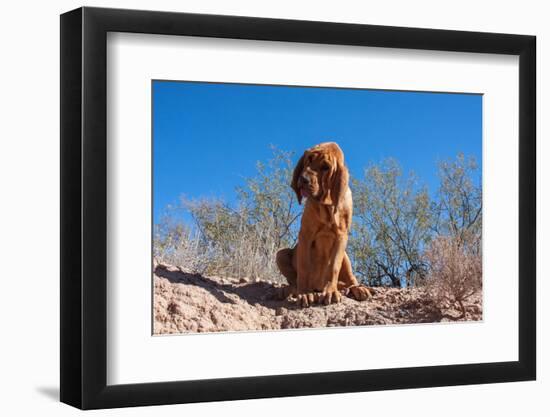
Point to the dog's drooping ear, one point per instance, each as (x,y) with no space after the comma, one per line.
(335,184)
(339,184)
(296,174)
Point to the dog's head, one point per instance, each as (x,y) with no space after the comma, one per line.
(320,174)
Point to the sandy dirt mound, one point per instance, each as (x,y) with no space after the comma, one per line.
(185,302)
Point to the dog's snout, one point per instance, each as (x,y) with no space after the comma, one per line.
(304,179)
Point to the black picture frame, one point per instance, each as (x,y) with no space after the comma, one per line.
(84,207)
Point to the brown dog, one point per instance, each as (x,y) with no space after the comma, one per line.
(318,267)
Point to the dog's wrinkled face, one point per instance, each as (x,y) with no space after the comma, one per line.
(317,168)
(320,174)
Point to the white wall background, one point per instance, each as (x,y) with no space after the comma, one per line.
(29,213)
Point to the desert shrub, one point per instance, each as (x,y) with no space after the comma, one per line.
(391,225)
(396,218)
(238,246)
(457,209)
(237,241)
(223,242)
(270,202)
(455,272)
(176,244)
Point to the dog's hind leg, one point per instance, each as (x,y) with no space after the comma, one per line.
(349,284)
(286,265)
(346,278)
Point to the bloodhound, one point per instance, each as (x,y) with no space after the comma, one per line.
(318,268)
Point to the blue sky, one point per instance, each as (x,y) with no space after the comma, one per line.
(207,137)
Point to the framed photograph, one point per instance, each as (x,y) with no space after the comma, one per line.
(258,208)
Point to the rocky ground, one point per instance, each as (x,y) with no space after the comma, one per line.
(185,302)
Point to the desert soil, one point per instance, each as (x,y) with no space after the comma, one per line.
(190,303)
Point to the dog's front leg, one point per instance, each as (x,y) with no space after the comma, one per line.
(303,253)
(330,292)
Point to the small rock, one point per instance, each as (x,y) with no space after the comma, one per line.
(173,308)
(279,311)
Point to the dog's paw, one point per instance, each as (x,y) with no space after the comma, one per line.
(283,293)
(359,292)
(306,299)
(330,296)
